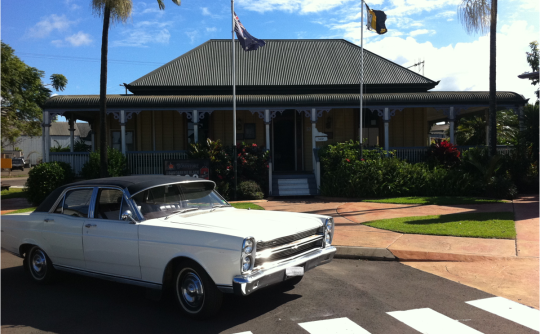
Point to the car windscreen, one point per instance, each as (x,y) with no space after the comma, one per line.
(19,161)
(162,201)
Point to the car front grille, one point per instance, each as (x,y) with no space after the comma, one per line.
(283,253)
(263,245)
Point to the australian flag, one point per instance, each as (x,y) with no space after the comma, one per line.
(248,42)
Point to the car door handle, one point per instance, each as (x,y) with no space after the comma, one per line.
(48,220)
(90,225)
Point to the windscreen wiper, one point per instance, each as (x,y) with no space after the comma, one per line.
(181,211)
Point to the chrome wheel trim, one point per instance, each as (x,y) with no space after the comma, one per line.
(190,290)
(38,264)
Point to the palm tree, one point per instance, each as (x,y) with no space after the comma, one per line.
(112,11)
(480,16)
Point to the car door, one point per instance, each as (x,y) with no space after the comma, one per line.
(111,245)
(62,228)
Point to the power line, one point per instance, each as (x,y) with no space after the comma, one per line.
(84,59)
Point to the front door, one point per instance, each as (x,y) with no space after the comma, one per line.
(287,142)
(111,245)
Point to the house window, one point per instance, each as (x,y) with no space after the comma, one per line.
(203,130)
(117,140)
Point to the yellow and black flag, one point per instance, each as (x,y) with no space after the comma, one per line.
(376,20)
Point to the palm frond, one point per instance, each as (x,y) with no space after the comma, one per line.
(120,9)
(475,15)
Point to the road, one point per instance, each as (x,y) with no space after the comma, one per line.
(349,296)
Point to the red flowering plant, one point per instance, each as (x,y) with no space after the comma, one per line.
(444,153)
(252,164)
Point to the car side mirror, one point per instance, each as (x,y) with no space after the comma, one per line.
(127,215)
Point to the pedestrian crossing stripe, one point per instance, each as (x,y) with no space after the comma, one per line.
(510,310)
(333,326)
(426,320)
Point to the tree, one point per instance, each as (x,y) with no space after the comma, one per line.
(23,95)
(480,16)
(471,130)
(112,11)
(533,60)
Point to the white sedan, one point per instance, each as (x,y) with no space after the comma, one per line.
(165,232)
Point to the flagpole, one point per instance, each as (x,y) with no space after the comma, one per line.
(361,79)
(234,104)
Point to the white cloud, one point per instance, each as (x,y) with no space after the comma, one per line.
(140,37)
(533,5)
(49,24)
(302,6)
(78,39)
(205,11)
(71,5)
(192,35)
(465,66)
(212,29)
(421,32)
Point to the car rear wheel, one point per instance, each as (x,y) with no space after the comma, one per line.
(39,265)
(195,291)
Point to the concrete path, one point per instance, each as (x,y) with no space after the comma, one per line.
(507,268)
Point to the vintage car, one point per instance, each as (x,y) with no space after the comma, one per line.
(169,233)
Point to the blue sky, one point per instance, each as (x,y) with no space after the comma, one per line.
(63,36)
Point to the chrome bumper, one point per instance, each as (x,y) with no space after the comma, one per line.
(247,284)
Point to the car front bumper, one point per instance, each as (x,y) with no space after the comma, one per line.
(247,284)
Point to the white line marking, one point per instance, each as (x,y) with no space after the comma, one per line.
(508,309)
(427,321)
(333,326)
(248,332)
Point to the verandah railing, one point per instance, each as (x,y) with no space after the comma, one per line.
(151,162)
(75,159)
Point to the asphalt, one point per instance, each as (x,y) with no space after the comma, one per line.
(358,291)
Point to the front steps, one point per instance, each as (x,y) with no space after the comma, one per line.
(294,185)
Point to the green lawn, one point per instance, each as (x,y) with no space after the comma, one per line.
(12,193)
(22,210)
(499,225)
(436,200)
(247,206)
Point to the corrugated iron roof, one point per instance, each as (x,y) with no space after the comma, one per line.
(148,102)
(297,62)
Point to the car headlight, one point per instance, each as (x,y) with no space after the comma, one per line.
(247,260)
(328,231)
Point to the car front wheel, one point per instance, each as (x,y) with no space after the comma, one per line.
(39,265)
(195,291)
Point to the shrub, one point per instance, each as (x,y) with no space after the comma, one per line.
(252,164)
(117,164)
(444,153)
(344,175)
(249,190)
(46,177)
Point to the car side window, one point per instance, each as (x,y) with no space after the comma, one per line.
(109,204)
(77,202)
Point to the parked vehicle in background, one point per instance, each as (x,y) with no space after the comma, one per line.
(17,163)
(169,233)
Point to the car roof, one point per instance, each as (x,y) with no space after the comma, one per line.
(133,184)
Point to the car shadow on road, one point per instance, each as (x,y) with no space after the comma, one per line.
(75,304)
